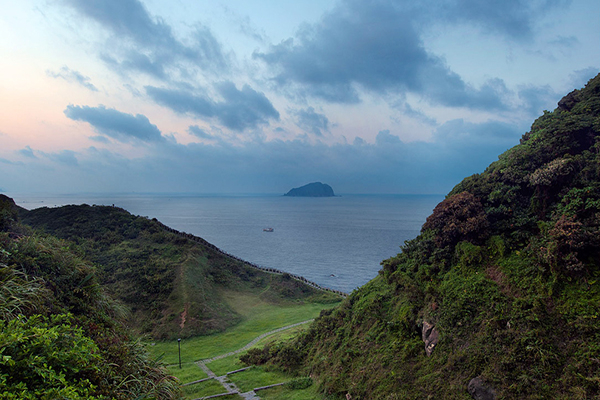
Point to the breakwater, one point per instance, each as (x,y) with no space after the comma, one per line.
(211,246)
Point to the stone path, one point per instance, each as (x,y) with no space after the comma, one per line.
(229,386)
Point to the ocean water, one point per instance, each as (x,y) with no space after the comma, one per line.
(337,242)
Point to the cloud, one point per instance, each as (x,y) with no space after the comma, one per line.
(142,43)
(565,41)
(99,139)
(239,110)
(580,78)
(27,152)
(118,125)
(409,111)
(536,99)
(199,132)
(376,47)
(66,157)
(71,76)
(9,162)
(514,19)
(389,165)
(312,121)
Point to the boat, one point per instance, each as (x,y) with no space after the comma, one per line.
(267,229)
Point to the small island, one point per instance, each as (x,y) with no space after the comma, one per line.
(315,189)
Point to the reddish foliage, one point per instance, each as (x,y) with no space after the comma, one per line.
(566,241)
(457,218)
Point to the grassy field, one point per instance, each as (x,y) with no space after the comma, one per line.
(284,393)
(258,317)
(257,377)
(208,388)
(232,363)
(189,372)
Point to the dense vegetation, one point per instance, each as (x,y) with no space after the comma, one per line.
(61,336)
(173,285)
(503,285)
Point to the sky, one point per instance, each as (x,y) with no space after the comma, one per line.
(257,96)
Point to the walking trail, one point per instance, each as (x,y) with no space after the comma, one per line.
(229,386)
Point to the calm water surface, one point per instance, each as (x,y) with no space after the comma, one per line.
(338,242)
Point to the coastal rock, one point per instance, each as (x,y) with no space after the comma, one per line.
(480,391)
(430,337)
(315,189)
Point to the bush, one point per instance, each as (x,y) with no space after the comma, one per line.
(44,359)
(457,218)
(299,383)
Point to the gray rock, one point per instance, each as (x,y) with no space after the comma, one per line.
(430,337)
(480,391)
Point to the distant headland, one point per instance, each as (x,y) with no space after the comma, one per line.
(315,189)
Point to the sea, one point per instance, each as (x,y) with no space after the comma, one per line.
(338,242)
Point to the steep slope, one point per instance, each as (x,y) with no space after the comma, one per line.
(498,297)
(172,282)
(61,335)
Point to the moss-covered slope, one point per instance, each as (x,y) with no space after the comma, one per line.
(172,283)
(502,284)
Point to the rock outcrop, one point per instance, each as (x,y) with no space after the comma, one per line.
(430,337)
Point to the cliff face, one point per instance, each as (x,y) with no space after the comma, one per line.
(315,189)
(499,296)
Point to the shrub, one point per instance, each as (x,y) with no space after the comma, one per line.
(457,218)
(565,241)
(299,383)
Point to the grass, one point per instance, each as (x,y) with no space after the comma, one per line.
(257,377)
(225,365)
(258,316)
(207,388)
(232,363)
(189,372)
(284,393)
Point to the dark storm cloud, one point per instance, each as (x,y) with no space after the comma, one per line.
(118,125)
(239,110)
(148,44)
(311,121)
(72,76)
(377,46)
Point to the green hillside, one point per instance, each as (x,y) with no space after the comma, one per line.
(498,297)
(173,283)
(61,335)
